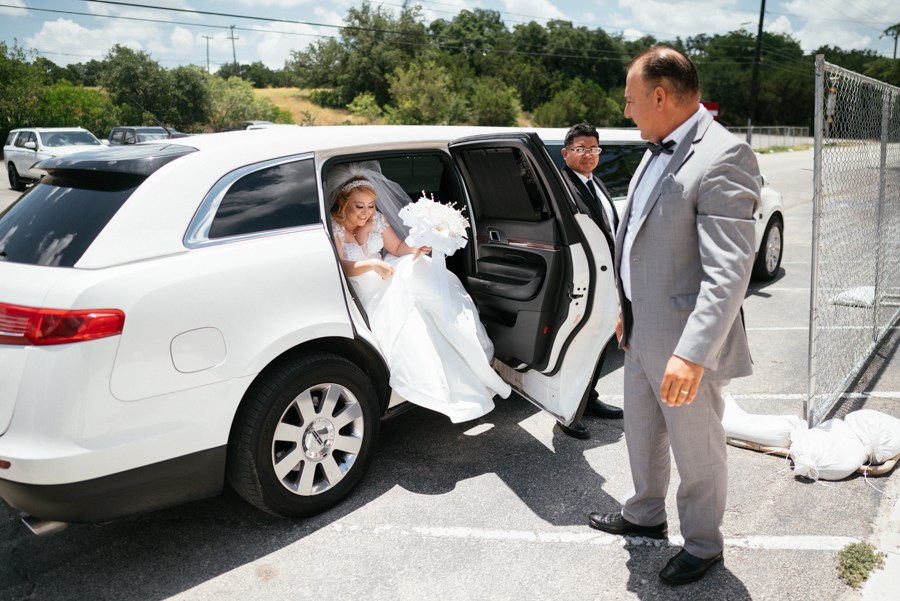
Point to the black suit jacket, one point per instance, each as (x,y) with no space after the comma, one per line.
(597,213)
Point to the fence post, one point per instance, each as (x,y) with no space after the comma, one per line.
(814,277)
(879,248)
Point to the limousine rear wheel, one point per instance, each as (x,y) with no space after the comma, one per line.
(304,436)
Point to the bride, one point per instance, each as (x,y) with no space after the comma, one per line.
(440,365)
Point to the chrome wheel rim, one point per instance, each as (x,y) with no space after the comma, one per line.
(773,248)
(317,439)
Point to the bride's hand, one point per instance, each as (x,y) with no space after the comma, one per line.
(425,250)
(383,269)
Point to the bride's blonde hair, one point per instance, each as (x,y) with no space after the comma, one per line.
(338,209)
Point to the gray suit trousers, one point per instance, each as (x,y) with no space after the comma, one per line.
(697,439)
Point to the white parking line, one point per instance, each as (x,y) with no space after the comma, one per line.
(784,397)
(785,543)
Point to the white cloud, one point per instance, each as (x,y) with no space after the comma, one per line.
(182,40)
(274,48)
(14,12)
(283,3)
(544,9)
(329,17)
(632,34)
(668,19)
(848,25)
(64,36)
(780,25)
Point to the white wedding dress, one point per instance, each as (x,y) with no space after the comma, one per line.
(436,364)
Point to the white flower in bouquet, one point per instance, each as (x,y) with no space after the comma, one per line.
(440,226)
(443,228)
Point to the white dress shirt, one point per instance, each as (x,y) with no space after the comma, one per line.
(654,170)
(606,203)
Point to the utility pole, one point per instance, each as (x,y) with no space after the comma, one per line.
(754,83)
(208,38)
(893,31)
(234,53)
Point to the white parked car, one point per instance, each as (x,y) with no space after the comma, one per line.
(26,146)
(620,157)
(174,314)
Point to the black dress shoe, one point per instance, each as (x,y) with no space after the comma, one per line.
(576,430)
(684,568)
(614,523)
(598,408)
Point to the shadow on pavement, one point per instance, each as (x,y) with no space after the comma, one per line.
(158,555)
(645,562)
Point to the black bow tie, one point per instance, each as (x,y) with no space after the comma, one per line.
(665,147)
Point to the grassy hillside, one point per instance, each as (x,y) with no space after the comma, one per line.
(297,101)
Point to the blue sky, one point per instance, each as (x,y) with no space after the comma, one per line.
(68,38)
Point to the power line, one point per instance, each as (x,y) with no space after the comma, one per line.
(864,9)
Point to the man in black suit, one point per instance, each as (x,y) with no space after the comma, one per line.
(582,154)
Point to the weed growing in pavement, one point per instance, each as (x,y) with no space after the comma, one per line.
(857,561)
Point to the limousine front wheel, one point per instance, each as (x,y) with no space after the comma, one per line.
(304,436)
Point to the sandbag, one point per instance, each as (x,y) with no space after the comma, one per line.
(878,432)
(767,430)
(830,451)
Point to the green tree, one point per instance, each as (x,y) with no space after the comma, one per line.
(188,98)
(494,103)
(374,43)
(786,77)
(885,69)
(66,105)
(87,74)
(855,60)
(132,74)
(21,86)
(232,101)
(580,102)
(256,73)
(318,65)
(365,106)
(424,95)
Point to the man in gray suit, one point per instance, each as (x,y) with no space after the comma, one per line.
(683,259)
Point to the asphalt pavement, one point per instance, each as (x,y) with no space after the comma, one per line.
(497,508)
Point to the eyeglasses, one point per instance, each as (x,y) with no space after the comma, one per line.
(582,151)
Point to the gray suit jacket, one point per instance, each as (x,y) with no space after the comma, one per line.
(692,255)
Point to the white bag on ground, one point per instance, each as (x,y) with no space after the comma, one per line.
(830,451)
(878,432)
(766,430)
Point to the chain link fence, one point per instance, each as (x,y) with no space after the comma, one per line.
(765,137)
(855,287)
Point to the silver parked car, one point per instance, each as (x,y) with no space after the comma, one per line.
(26,146)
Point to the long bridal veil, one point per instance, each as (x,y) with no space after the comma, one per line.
(391,197)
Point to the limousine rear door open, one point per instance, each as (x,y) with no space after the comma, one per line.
(539,271)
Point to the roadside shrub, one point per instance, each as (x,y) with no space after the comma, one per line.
(580,102)
(494,103)
(329,99)
(66,105)
(365,105)
(424,95)
(233,101)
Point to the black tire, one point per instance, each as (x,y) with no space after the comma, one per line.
(15,182)
(771,249)
(258,460)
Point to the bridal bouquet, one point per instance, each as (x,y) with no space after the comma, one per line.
(430,223)
(443,228)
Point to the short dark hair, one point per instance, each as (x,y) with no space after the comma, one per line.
(666,67)
(581,129)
